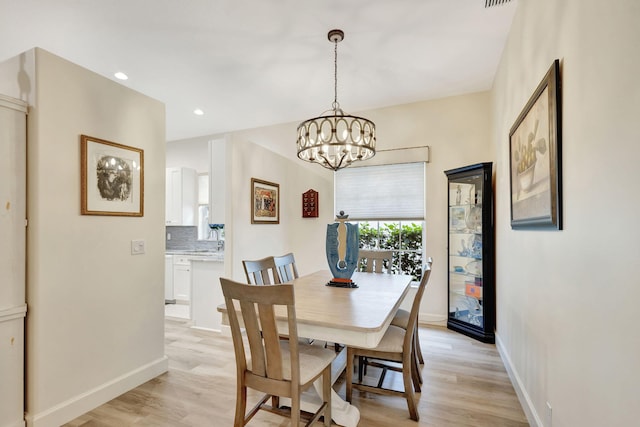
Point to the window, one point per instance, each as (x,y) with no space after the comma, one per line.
(381,192)
(388,203)
(404,238)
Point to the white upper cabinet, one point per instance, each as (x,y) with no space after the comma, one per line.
(203,189)
(181,196)
(218,188)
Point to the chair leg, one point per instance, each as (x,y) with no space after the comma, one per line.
(408,387)
(295,409)
(349,378)
(241,406)
(326,395)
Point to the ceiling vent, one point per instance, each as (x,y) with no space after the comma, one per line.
(489,3)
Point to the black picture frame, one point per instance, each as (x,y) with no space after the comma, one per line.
(535,160)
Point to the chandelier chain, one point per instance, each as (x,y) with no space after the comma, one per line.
(335,104)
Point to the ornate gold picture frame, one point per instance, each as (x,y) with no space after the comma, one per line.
(112,178)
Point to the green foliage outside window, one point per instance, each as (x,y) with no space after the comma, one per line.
(404,238)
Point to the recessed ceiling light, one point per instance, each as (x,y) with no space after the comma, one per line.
(121,76)
(198,112)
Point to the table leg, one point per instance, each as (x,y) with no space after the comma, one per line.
(342,412)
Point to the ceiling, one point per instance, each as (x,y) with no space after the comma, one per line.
(254,63)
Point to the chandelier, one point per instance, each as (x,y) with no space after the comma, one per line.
(336,139)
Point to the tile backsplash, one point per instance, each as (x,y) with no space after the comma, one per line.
(185,238)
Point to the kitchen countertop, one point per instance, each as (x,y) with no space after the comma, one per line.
(197,254)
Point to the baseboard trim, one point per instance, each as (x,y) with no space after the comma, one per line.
(202,328)
(20,423)
(432,319)
(85,402)
(524,398)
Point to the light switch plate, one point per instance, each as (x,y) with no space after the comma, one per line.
(137,247)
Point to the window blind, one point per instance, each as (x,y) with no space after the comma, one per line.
(386,192)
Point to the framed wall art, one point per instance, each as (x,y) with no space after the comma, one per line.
(112,178)
(265,202)
(535,158)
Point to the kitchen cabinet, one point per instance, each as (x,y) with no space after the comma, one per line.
(168,280)
(207,293)
(181,196)
(181,278)
(471,265)
(218,192)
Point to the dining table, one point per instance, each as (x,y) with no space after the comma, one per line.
(351,316)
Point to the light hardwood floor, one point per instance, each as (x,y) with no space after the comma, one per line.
(465,385)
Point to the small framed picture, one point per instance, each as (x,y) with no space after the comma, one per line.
(535,158)
(112,178)
(265,202)
(457,218)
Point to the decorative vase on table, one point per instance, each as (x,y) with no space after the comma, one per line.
(342,250)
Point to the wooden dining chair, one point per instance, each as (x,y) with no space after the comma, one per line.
(286,266)
(401,319)
(396,346)
(261,272)
(374,260)
(269,365)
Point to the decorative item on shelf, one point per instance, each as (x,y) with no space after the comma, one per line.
(474,219)
(310,204)
(474,250)
(342,251)
(336,139)
(475,268)
(473,290)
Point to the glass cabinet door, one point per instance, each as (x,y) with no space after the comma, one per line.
(470,251)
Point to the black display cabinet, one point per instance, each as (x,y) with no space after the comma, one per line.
(471,263)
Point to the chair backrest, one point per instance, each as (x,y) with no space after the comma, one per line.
(261,272)
(415,306)
(286,266)
(374,260)
(257,306)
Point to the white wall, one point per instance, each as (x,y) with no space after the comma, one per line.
(457,131)
(95,312)
(189,153)
(305,237)
(567,300)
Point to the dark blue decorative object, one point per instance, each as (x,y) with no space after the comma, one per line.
(342,248)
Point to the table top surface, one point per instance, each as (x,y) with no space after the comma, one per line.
(352,316)
(365,308)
